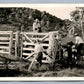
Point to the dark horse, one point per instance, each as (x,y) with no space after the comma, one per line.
(68,49)
(80,50)
(75,52)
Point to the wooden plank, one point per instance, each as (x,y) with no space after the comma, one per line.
(26,43)
(10,44)
(15,49)
(27,54)
(28,38)
(45,45)
(21,45)
(31,49)
(3,52)
(14,33)
(4,38)
(14,39)
(4,42)
(17,44)
(45,61)
(4,47)
(33,33)
(30,54)
(47,39)
(5,32)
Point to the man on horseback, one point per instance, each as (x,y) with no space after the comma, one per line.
(78,40)
(79,46)
(68,48)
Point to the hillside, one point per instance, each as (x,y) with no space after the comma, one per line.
(25,16)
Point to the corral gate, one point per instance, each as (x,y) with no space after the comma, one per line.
(6,42)
(29,41)
(9,44)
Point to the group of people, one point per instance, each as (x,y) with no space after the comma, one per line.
(79,43)
(74,49)
(69,48)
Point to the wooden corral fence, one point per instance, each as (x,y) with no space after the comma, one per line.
(12,43)
(8,44)
(46,40)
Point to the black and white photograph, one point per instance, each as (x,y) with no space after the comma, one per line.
(41,40)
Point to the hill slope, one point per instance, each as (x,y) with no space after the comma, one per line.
(26,16)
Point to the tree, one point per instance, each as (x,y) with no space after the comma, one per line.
(77,18)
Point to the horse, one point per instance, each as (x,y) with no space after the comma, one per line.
(79,51)
(68,49)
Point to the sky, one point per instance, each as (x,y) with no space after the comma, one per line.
(59,10)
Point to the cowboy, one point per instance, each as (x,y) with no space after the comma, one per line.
(78,42)
(36,26)
(39,52)
(79,45)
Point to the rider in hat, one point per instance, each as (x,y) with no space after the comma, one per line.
(79,44)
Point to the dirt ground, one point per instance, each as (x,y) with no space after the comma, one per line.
(46,71)
(62,73)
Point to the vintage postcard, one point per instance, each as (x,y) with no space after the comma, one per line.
(41,42)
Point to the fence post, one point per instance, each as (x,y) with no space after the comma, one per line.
(21,44)
(10,43)
(17,44)
(52,50)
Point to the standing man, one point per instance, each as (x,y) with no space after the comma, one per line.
(37,26)
(39,52)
